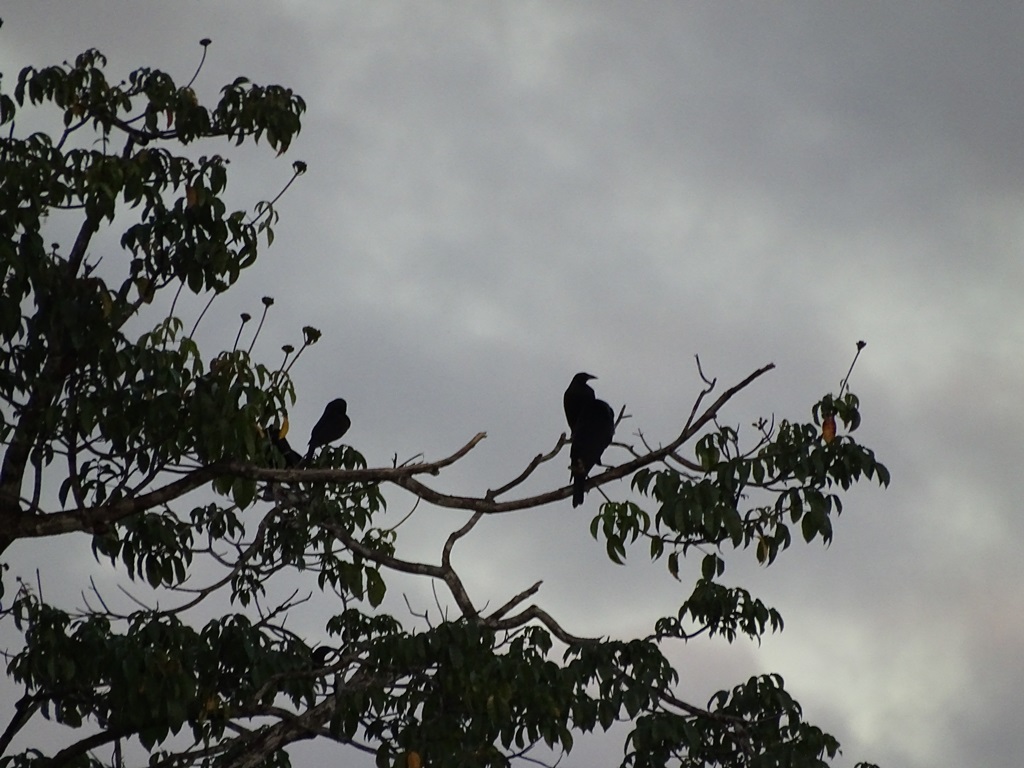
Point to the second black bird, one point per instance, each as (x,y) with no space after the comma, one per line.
(290,455)
(592,422)
(333,424)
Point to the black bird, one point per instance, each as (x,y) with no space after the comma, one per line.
(291,457)
(576,397)
(594,430)
(332,425)
(592,423)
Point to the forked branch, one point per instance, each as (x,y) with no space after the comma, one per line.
(487,505)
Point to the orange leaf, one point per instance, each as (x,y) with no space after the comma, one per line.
(762,550)
(828,428)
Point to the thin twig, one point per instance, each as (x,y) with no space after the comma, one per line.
(539,459)
(846,378)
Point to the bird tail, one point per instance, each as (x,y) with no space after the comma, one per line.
(577,490)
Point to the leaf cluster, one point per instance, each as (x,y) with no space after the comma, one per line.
(150,674)
(740,498)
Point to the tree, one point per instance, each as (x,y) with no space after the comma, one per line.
(120,433)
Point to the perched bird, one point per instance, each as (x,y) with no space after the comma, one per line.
(578,394)
(332,425)
(592,424)
(291,456)
(594,430)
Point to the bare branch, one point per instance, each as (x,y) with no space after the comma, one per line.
(529,592)
(488,506)
(446,552)
(539,459)
(381,558)
(533,612)
(369,475)
(685,462)
(443,572)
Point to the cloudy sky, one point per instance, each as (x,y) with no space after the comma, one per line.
(501,194)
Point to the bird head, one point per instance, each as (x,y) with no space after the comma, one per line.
(582,378)
(336,406)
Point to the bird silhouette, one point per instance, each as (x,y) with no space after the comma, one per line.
(333,424)
(592,423)
(576,396)
(290,455)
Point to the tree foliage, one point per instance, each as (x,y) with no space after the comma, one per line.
(121,432)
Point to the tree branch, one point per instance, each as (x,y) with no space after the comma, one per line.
(268,740)
(45,389)
(369,475)
(446,552)
(26,707)
(90,517)
(442,572)
(539,459)
(488,506)
(528,592)
(533,612)
(19,526)
(68,754)
(87,518)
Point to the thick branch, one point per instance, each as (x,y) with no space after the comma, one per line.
(45,390)
(88,518)
(26,707)
(76,750)
(267,741)
(77,255)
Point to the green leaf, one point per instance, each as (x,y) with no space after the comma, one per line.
(375,587)
(243,491)
(709,567)
(673,565)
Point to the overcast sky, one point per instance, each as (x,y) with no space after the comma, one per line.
(502,194)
